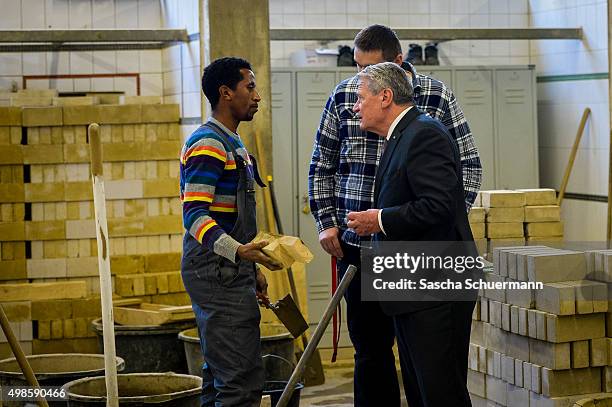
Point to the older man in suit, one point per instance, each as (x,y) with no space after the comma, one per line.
(419,196)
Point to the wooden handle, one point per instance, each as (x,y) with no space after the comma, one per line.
(572,157)
(22,361)
(95,149)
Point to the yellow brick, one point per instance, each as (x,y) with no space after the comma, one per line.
(121,152)
(80,229)
(124,286)
(76,345)
(159,262)
(18,311)
(41,116)
(175,283)
(162,283)
(73,210)
(76,153)
(139,285)
(11,193)
(82,267)
(44,329)
(150,282)
(86,308)
(10,116)
(150,133)
(547,213)
(128,132)
(161,150)
(13,270)
(45,135)
(81,328)
(478,230)
(78,191)
(178,298)
(68,134)
(45,192)
(57,136)
(160,225)
(139,132)
(496,215)
(12,154)
(164,187)
(48,230)
(504,230)
(57,329)
(543,229)
(68,328)
(43,154)
(12,231)
(160,113)
(16,135)
(119,114)
(127,264)
(135,207)
(51,309)
(502,199)
(122,227)
(83,115)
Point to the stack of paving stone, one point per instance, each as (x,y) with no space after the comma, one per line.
(542,216)
(47,232)
(542,347)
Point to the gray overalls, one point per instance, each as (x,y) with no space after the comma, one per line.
(224,302)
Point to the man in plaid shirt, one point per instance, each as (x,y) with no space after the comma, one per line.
(341,180)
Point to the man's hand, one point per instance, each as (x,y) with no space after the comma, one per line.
(253,252)
(364,223)
(330,243)
(261,287)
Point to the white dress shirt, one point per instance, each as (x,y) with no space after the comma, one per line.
(389,133)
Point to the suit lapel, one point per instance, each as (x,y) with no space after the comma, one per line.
(391,144)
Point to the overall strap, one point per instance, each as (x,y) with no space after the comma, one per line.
(240,162)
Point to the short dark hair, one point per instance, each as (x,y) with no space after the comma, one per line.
(222,71)
(379,38)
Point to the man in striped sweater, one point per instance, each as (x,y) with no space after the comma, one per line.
(218,263)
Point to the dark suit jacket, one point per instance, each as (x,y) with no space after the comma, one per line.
(420,189)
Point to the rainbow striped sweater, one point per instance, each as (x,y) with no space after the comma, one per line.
(208,183)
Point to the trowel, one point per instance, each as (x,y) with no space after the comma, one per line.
(287,311)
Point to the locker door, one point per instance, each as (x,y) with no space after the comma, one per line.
(517,154)
(474,91)
(283,144)
(442,75)
(313,89)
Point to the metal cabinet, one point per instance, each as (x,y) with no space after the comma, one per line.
(499,104)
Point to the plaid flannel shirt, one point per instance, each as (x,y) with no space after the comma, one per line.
(345,158)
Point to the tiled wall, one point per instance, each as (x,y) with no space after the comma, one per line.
(75,14)
(406,14)
(181,63)
(572,76)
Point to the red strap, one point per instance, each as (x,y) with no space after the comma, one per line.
(336,330)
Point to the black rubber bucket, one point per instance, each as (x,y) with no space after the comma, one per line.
(274,387)
(275,340)
(138,389)
(148,349)
(54,369)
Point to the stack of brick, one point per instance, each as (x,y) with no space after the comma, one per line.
(540,347)
(542,216)
(505,213)
(47,231)
(476,217)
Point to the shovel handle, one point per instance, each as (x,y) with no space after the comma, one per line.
(316,336)
(95,149)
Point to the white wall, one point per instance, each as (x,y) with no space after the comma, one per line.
(406,14)
(566,86)
(75,14)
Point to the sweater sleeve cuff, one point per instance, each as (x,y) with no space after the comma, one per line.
(380,224)
(227,247)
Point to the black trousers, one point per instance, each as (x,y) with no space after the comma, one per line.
(433,344)
(372,333)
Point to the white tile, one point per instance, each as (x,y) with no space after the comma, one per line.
(10,18)
(378,6)
(42,84)
(56,14)
(276,20)
(127,61)
(191,79)
(104,14)
(418,7)
(150,61)
(82,84)
(293,20)
(499,6)
(172,82)
(34,63)
(335,20)
(378,19)
(33,14)
(519,21)
(79,13)
(583,220)
(460,7)
(9,82)
(331,7)
(520,6)
(460,20)
(10,63)
(479,7)
(191,104)
(310,21)
(151,84)
(480,48)
(149,14)
(81,62)
(192,23)
(126,85)
(277,50)
(440,7)
(104,61)
(102,85)
(398,7)
(64,85)
(519,48)
(358,6)
(126,12)
(58,63)
(397,20)
(418,20)
(171,58)
(276,6)
(190,55)
(297,6)
(175,99)
(356,20)
(170,13)
(479,20)
(500,48)
(499,21)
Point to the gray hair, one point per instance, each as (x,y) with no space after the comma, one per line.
(389,75)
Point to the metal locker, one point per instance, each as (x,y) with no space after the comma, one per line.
(312,89)
(443,75)
(516,134)
(474,91)
(283,145)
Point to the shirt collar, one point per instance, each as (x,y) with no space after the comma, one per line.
(416,83)
(223,127)
(396,121)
